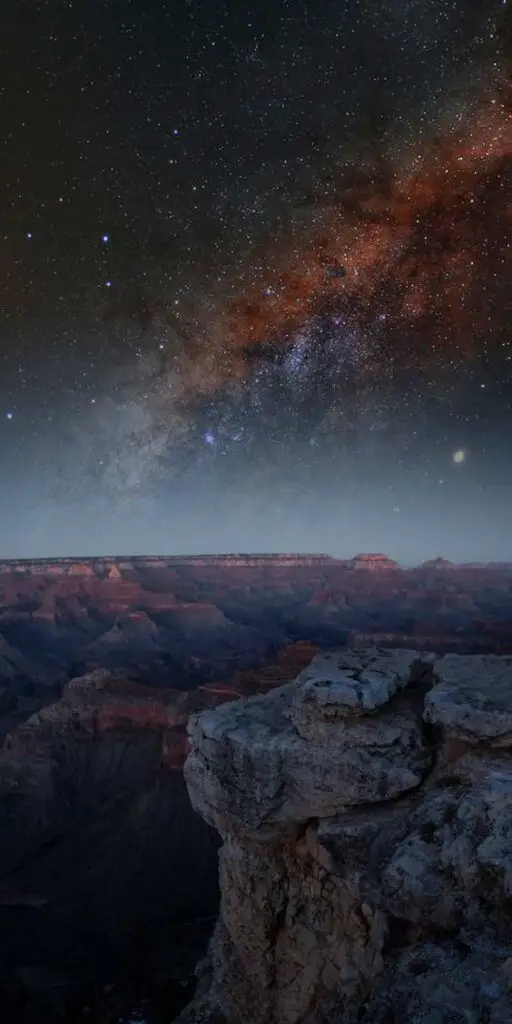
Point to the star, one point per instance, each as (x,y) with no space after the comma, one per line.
(459,456)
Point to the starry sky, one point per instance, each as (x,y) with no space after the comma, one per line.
(255,287)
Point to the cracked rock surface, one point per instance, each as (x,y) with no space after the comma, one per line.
(366,867)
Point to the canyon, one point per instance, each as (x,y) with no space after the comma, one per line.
(103,862)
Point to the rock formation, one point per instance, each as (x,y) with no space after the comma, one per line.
(373,563)
(366,868)
(438,563)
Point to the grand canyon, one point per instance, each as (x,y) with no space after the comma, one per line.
(108,877)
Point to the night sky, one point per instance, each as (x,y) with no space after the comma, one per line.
(256,277)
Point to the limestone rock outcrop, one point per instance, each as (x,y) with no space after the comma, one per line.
(366,867)
(269,764)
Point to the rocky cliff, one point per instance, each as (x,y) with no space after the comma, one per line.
(106,874)
(366,867)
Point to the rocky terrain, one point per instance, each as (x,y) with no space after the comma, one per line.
(103,863)
(366,868)
(196,619)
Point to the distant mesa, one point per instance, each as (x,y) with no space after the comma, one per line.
(372,562)
(115,568)
(438,563)
(78,569)
(112,565)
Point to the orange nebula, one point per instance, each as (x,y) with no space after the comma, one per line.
(430,250)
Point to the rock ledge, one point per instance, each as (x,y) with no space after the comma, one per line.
(366,871)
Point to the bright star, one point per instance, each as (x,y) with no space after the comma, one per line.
(105,238)
(8,415)
(459,456)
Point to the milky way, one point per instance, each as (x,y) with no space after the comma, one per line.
(310,340)
(427,250)
(257,276)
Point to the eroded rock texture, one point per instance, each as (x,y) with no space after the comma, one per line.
(366,866)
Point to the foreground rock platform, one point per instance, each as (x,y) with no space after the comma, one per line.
(366,868)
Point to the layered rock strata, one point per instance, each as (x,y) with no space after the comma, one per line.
(366,867)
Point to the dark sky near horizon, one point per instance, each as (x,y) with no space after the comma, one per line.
(255,286)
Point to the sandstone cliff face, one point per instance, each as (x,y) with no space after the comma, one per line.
(366,866)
